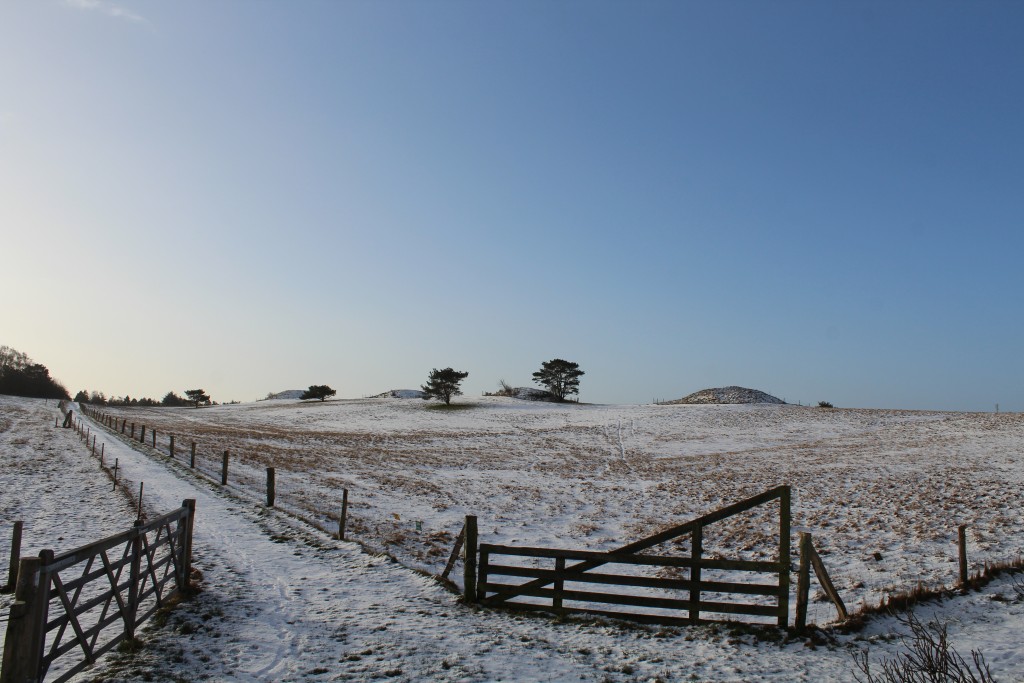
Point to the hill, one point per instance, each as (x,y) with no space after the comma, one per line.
(726,395)
(284,395)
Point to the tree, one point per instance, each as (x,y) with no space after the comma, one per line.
(561,377)
(443,384)
(20,376)
(197,396)
(320,391)
(172,400)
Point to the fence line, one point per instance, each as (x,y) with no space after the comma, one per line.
(231,472)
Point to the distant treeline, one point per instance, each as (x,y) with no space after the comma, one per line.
(171,400)
(21,376)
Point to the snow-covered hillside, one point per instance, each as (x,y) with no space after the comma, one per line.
(285,602)
(726,395)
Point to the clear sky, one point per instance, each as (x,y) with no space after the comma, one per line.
(822,200)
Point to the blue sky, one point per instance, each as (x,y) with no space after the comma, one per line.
(820,200)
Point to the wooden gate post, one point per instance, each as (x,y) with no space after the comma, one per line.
(785,518)
(556,598)
(23,645)
(469,565)
(803,581)
(12,575)
(271,486)
(696,549)
(224,470)
(186,526)
(134,576)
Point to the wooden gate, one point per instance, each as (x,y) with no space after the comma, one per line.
(100,593)
(684,600)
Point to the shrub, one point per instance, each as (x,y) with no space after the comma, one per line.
(928,657)
(825,404)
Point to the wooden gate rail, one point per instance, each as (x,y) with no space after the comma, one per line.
(153,564)
(493,594)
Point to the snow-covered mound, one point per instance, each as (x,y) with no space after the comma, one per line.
(281,395)
(531,394)
(401,393)
(727,395)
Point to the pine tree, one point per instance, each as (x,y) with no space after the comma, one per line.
(561,377)
(443,384)
(320,391)
(197,396)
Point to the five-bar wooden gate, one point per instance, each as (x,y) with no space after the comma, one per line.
(571,580)
(115,585)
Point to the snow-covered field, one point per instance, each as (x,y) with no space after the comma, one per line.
(283,601)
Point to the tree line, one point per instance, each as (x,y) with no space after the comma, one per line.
(193,397)
(21,376)
(561,377)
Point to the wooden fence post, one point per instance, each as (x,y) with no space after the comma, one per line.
(785,518)
(23,645)
(271,486)
(12,574)
(154,438)
(469,565)
(696,549)
(133,431)
(803,581)
(138,519)
(343,519)
(142,435)
(826,582)
(190,503)
(123,423)
(456,550)
(224,470)
(192,463)
(172,445)
(961,535)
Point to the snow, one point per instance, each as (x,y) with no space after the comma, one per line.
(290,394)
(283,600)
(401,393)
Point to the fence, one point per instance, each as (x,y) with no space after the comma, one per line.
(123,580)
(552,585)
(267,484)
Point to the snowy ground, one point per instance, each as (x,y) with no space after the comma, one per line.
(283,601)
